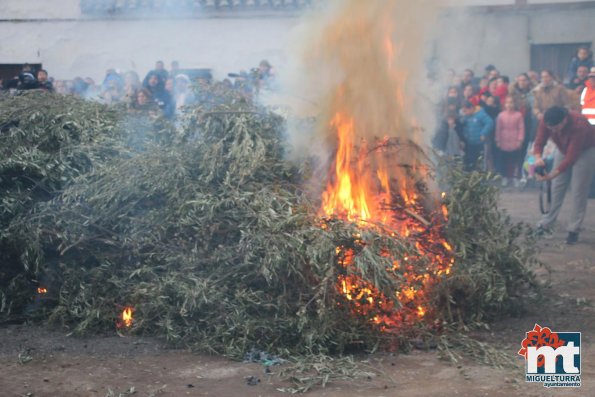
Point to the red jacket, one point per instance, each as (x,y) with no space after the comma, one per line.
(576,136)
(502,93)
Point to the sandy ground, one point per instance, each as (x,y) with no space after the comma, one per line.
(39,362)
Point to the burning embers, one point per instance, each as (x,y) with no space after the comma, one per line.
(378,179)
(360,192)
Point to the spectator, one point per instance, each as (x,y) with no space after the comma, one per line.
(548,94)
(169,86)
(469,94)
(521,92)
(43,82)
(183,95)
(449,136)
(156,86)
(26,79)
(160,70)
(509,137)
(468,79)
(574,165)
(79,87)
(131,86)
(112,77)
(494,74)
(534,77)
(265,75)
(584,57)
(174,69)
(578,84)
(588,98)
(93,91)
(61,88)
(501,92)
(145,102)
(112,92)
(579,80)
(227,84)
(452,97)
(491,105)
(477,126)
(488,71)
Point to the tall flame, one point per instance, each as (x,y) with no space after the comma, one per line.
(379,169)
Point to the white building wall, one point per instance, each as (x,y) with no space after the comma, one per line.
(87,48)
(39,9)
(475,38)
(68,44)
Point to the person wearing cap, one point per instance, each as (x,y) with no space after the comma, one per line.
(588,98)
(574,165)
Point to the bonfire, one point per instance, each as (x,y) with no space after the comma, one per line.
(207,237)
(379,175)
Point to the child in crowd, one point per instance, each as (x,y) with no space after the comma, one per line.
(448,138)
(510,134)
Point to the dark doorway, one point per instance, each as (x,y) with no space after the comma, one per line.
(9,71)
(555,57)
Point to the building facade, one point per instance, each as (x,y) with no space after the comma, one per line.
(86,37)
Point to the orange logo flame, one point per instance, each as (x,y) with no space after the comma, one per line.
(538,337)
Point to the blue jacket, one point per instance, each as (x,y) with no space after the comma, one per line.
(476,126)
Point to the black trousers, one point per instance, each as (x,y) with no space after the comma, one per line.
(472,154)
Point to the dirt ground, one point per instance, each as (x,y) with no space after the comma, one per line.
(43,363)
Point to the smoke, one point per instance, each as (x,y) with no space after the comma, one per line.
(366,59)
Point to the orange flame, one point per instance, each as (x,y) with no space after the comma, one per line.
(377,171)
(127,317)
(42,290)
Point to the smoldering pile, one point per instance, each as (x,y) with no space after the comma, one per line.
(209,238)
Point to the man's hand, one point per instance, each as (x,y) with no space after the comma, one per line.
(539,162)
(547,177)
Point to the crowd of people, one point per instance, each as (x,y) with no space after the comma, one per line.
(535,122)
(163,91)
(496,119)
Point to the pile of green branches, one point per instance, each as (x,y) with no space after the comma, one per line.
(495,257)
(210,241)
(209,237)
(46,142)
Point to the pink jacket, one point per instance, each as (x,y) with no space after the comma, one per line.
(510,130)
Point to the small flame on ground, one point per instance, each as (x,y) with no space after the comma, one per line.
(42,290)
(127,317)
